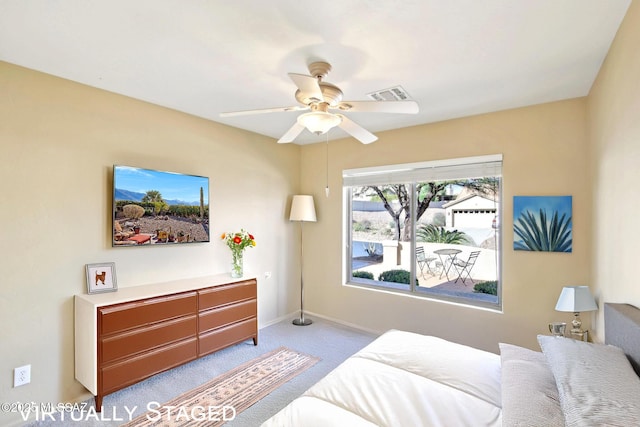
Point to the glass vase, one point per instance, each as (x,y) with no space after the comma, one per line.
(237,265)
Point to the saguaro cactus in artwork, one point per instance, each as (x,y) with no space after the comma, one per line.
(201,203)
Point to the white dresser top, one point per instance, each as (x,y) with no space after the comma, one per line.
(156,289)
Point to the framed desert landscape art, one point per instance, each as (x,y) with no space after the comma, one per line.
(159,208)
(101,278)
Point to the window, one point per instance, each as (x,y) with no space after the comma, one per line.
(430,229)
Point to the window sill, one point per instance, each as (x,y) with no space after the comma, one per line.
(478,301)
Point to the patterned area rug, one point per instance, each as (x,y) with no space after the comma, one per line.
(221,399)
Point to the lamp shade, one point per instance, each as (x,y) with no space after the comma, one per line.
(302,208)
(319,122)
(576,299)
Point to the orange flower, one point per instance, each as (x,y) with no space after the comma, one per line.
(238,241)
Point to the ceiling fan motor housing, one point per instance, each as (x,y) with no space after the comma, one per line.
(331,94)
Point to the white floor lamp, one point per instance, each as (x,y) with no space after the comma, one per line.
(302,210)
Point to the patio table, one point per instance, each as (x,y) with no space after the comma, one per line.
(450,255)
(140,238)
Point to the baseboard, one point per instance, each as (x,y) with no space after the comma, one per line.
(296,314)
(347,324)
(291,315)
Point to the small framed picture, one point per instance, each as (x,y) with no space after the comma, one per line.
(101,278)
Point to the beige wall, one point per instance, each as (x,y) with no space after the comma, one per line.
(544,149)
(58,142)
(614,130)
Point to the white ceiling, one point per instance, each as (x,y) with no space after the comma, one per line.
(454,57)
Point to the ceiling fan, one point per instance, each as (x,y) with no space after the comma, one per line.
(320,98)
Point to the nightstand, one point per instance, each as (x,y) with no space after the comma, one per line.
(584,337)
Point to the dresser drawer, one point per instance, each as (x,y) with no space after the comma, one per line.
(146,338)
(222,316)
(227,294)
(224,337)
(138,313)
(135,369)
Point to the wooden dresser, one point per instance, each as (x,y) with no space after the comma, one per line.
(124,337)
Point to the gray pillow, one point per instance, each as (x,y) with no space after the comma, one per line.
(596,383)
(529,393)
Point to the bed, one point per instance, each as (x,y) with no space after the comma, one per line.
(408,379)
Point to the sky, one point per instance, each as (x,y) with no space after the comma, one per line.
(561,204)
(172,186)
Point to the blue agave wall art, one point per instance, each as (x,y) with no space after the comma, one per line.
(542,223)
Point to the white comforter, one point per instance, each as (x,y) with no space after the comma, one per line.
(403,379)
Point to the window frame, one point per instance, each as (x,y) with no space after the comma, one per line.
(411,289)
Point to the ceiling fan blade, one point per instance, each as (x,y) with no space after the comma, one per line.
(401,107)
(308,85)
(264,110)
(291,134)
(356,131)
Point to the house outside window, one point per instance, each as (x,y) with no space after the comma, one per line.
(428,229)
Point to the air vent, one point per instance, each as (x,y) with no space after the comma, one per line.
(392,94)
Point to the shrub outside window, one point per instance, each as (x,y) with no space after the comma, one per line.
(430,229)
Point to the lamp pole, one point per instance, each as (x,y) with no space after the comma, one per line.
(302,321)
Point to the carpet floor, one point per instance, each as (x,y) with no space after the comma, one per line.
(330,342)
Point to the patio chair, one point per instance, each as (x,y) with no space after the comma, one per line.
(424,261)
(464,267)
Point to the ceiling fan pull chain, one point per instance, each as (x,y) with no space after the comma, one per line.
(326,189)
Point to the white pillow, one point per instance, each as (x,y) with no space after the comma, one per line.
(529,393)
(596,383)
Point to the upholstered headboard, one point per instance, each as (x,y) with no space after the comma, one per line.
(622,329)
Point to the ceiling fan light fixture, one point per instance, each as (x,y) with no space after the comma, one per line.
(319,122)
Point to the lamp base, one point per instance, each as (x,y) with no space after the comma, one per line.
(578,334)
(302,322)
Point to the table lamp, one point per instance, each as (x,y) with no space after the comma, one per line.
(576,299)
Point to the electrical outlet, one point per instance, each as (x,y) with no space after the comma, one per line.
(22,375)
(267,275)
